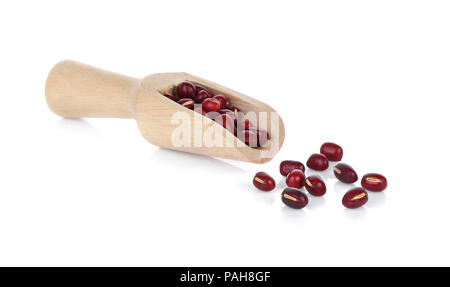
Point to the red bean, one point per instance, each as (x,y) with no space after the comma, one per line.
(226,121)
(230,113)
(295,179)
(211,105)
(172,97)
(186,90)
(332,151)
(235,111)
(238,116)
(374,182)
(224,111)
(315,185)
(317,162)
(265,132)
(222,100)
(244,124)
(202,95)
(188,103)
(345,173)
(286,166)
(199,88)
(294,198)
(263,181)
(249,137)
(355,198)
(263,136)
(199,109)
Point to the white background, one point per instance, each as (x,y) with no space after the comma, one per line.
(372,76)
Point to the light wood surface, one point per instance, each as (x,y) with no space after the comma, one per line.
(78,90)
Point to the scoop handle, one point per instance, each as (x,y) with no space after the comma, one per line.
(76,90)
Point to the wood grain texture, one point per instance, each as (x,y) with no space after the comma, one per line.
(77,90)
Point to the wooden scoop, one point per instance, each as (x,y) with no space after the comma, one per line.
(77,90)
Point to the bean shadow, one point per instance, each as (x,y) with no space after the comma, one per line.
(315,202)
(267,198)
(292,215)
(376,199)
(355,214)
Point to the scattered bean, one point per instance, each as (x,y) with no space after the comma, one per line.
(263,181)
(345,173)
(317,162)
(374,182)
(355,198)
(315,185)
(294,198)
(286,166)
(295,179)
(332,151)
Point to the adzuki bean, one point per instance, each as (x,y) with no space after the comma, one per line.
(286,166)
(249,137)
(186,90)
(172,97)
(186,102)
(225,111)
(263,136)
(227,122)
(374,182)
(199,88)
(315,185)
(355,198)
(295,179)
(263,181)
(201,96)
(294,198)
(317,162)
(211,105)
(222,100)
(244,124)
(203,101)
(332,151)
(345,173)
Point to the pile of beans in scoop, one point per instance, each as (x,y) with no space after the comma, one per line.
(217,108)
(294,171)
